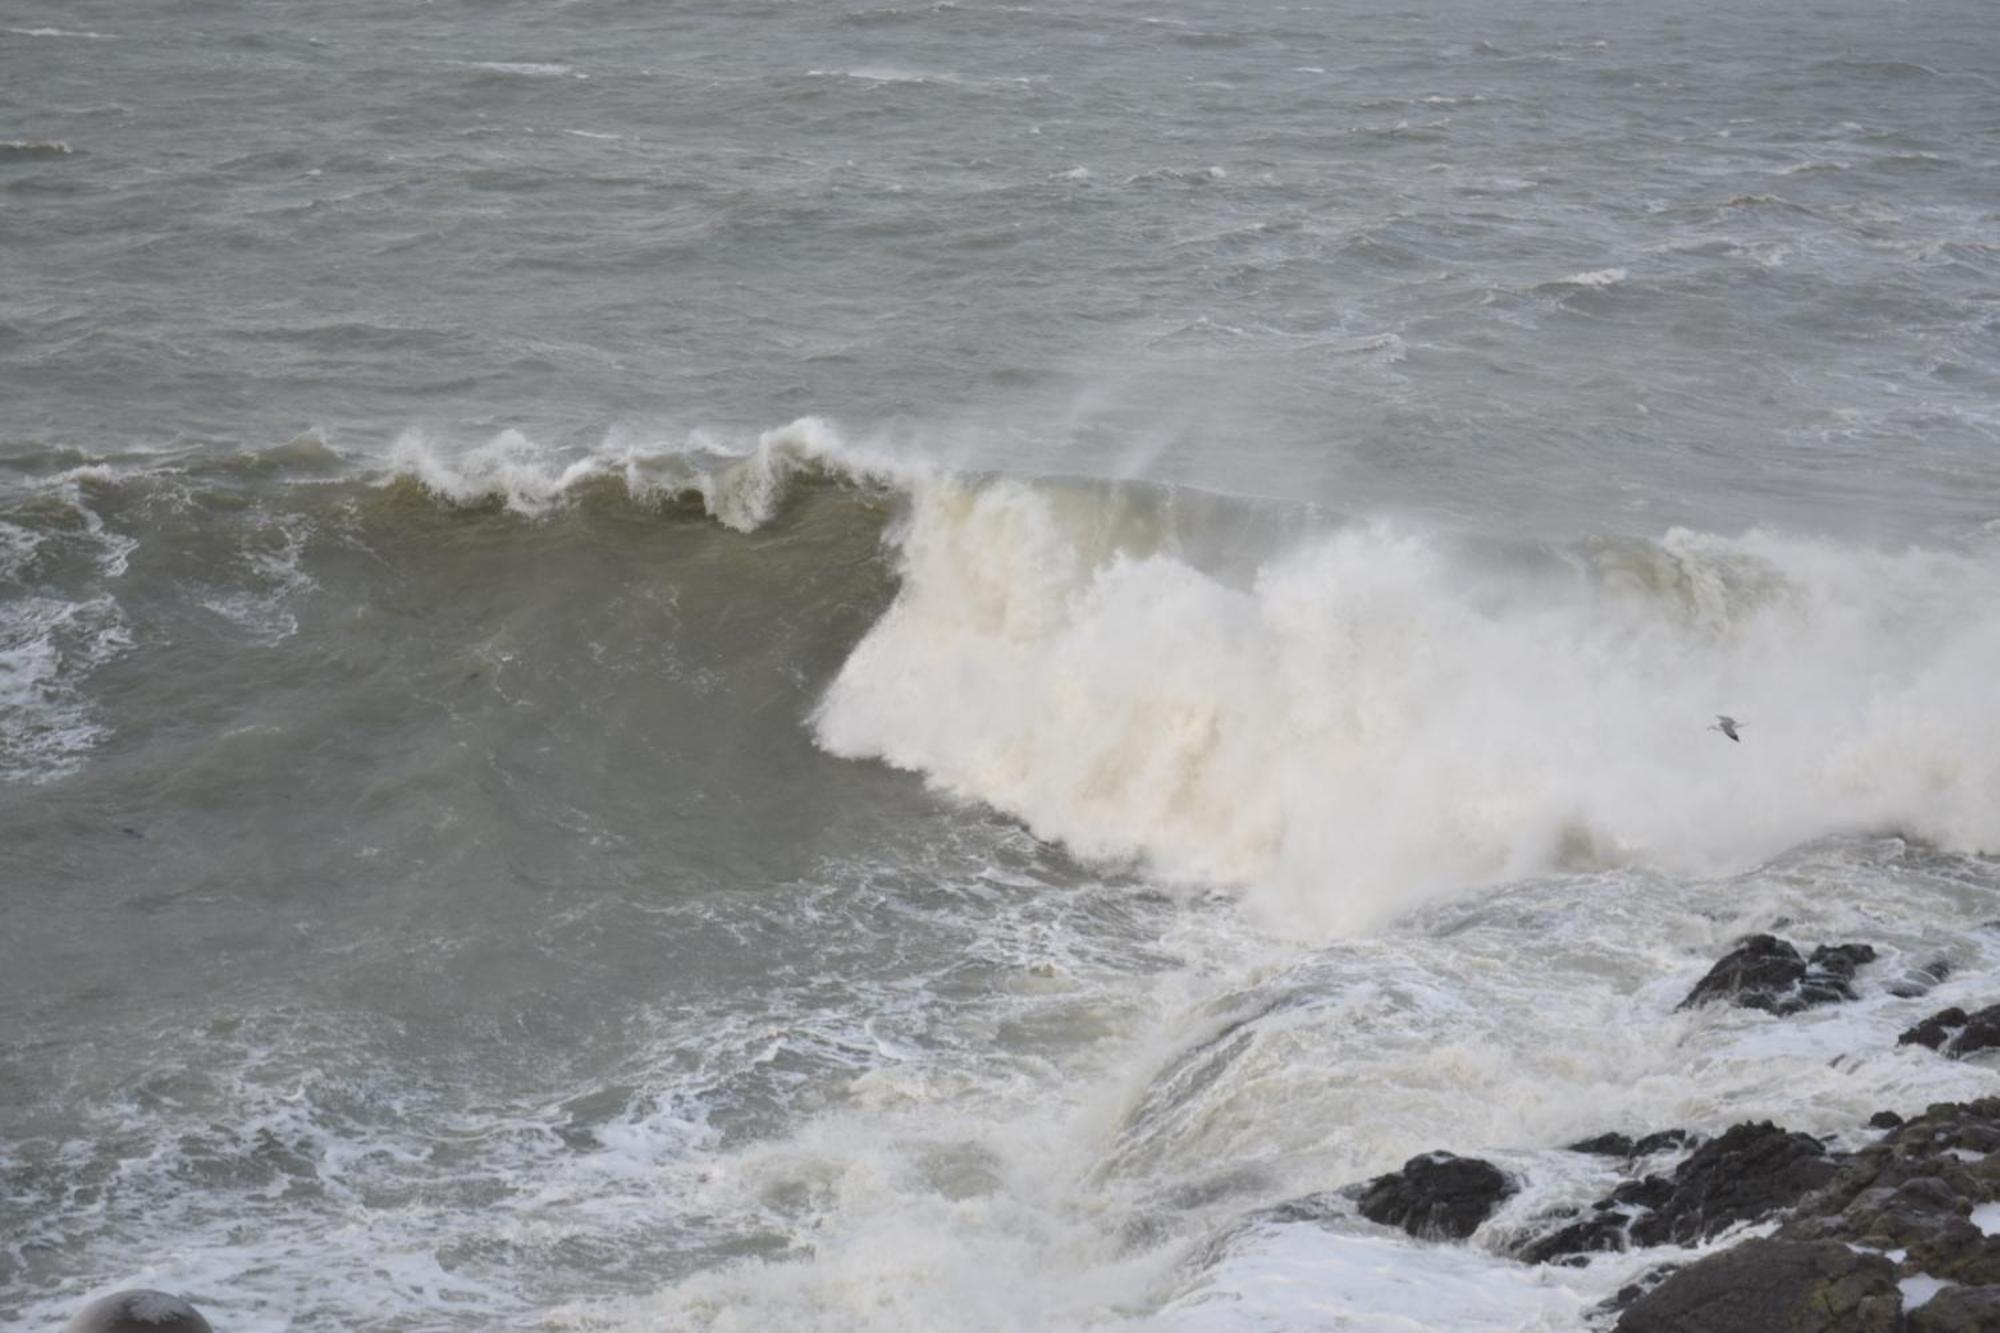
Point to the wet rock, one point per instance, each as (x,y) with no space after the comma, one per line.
(1884,1120)
(1621,1145)
(1316,1208)
(1765,1286)
(1765,972)
(1958,1310)
(1747,1173)
(1955,1033)
(1752,1170)
(1914,1191)
(1437,1195)
(138,1312)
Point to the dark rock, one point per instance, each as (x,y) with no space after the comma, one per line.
(1605,1145)
(1773,1286)
(1958,1310)
(1632,1291)
(1437,1195)
(1622,1145)
(1603,1228)
(1884,1120)
(1913,1190)
(1765,972)
(1748,1172)
(138,1312)
(1663,1140)
(1955,1033)
(1751,1171)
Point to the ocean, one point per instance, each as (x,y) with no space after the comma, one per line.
(853,666)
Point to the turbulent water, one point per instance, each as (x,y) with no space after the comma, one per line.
(858,666)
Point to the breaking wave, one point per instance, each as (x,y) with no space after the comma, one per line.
(1343,718)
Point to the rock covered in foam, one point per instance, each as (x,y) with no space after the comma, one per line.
(1955,1033)
(1765,1286)
(1437,1195)
(1765,972)
(138,1312)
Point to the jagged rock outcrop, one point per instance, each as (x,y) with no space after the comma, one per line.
(1914,1192)
(1765,972)
(1955,1033)
(1750,1171)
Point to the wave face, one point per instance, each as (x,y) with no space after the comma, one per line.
(1377,714)
(1344,718)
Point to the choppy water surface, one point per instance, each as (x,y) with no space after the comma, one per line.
(859,667)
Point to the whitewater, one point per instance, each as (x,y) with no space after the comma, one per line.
(937,667)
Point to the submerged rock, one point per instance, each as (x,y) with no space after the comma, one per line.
(1772,1286)
(138,1312)
(1955,1033)
(1765,972)
(1920,980)
(1437,1195)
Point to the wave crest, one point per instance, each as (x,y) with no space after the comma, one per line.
(742,490)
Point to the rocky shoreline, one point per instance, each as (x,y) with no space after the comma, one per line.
(1901,1235)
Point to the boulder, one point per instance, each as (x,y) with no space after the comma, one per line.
(1773,1286)
(1955,1033)
(1436,1196)
(1765,972)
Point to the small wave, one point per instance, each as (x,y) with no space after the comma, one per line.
(884,74)
(1178,176)
(527,69)
(18,150)
(742,490)
(1597,277)
(62,32)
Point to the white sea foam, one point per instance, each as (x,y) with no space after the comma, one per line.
(47,647)
(532,69)
(62,32)
(1597,277)
(1123,1190)
(1375,719)
(275,577)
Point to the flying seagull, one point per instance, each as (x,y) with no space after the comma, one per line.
(1727,726)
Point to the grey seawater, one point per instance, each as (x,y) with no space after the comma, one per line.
(428,897)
